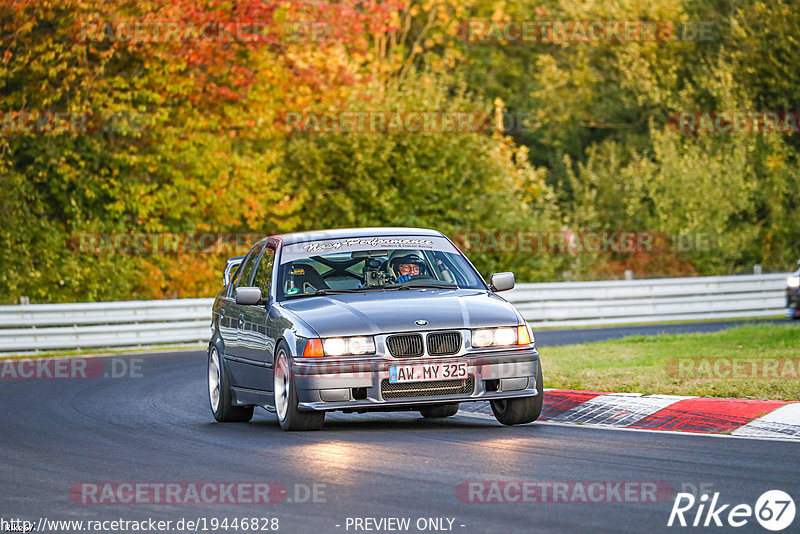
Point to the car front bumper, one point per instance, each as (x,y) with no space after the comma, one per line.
(362,384)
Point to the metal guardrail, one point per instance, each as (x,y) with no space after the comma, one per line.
(42,327)
(654,300)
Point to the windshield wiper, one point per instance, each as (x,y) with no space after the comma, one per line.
(424,285)
(323,292)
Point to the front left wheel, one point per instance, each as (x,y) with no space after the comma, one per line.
(289,416)
(219,393)
(523,410)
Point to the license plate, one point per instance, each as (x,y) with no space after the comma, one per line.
(420,372)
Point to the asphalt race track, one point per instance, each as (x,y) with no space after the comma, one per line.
(156,426)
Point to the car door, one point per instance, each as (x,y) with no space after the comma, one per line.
(246,372)
(257,342)
(229,312)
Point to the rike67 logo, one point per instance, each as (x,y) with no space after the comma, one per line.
(774,510)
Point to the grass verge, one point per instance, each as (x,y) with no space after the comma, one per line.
(652,364)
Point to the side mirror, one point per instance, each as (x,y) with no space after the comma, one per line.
(248,296)
(501,281)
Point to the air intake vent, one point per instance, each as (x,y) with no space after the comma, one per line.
(405,346)
(443,343)
(432,388)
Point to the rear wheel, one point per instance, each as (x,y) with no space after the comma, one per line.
(520,411)
(442,410)
(289,416)
(219,393)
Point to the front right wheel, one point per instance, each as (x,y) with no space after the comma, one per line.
(289,416)
(219,393)
(520,411)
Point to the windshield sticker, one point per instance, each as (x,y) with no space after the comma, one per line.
(349,245)
(373,242)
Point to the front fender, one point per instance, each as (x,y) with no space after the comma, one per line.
(295,331)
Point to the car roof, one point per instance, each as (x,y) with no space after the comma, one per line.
(342,233)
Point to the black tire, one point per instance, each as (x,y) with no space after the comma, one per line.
(439,411)
(520,411)
(225,411)
(292,418)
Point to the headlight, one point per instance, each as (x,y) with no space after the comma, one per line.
(794,281)
(346,346)
(505,336)
(501,337)
(334,347)
(361,345)
(482,338)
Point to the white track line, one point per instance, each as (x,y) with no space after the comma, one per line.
(476,415)
(618,409)
(782,422)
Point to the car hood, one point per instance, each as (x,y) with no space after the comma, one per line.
(396,311)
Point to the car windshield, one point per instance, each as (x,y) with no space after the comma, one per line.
(373,264)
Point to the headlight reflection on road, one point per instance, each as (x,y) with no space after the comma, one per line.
(331,460)
(509,446)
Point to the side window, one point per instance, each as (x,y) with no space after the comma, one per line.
(263,276)
(249,266)
(244,273)
(237,274)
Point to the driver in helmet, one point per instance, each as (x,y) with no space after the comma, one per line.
(407,267)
